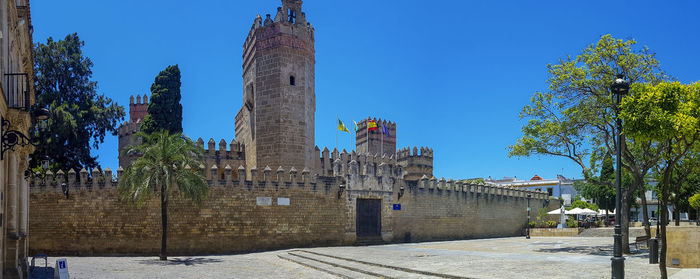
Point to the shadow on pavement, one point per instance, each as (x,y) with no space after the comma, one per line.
(603,250)
(180,261)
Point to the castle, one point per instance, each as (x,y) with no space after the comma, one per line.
(373,145)
(272,187)
(275,125)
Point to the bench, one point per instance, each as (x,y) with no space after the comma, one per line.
(641,240)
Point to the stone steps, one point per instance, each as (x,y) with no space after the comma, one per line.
(369,240)
(351,268)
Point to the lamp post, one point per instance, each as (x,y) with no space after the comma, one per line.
(528,216)
(618,88)
(10,137)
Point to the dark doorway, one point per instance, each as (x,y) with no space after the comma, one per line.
(369,217)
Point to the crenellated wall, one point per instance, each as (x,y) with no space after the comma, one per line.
(416,164)
(238,215)
(249,214)
(439,209)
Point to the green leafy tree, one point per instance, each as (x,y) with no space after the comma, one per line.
(667,113)
(694,202)
(165,110)
(81,116)
(687,175)
(575,117)
(602,193)
(163,165)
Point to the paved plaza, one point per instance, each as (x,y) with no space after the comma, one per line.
(515,257)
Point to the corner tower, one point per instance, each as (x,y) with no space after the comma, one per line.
(276,121)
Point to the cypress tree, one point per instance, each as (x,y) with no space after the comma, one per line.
(165,110)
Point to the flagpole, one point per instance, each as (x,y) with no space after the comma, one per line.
(382,144)
(350,135)
(336,134)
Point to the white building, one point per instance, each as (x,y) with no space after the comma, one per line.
(560,187)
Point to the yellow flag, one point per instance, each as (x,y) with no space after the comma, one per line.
(342,127)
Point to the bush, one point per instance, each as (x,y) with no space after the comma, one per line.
(532,224)
(571,222)
(551,224)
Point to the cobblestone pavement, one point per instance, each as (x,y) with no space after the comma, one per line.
(516,257)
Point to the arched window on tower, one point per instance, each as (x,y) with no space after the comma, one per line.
(292,81)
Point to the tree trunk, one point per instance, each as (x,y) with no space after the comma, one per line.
(625,220)
(662,254)
(676,213)
(164,223)
(645,212)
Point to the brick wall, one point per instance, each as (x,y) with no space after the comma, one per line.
(93,220)
(441,212)
(96,222)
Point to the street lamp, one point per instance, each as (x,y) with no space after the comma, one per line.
(618,88)
(528,216)
(10,137)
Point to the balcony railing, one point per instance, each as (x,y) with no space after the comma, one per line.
(16,86)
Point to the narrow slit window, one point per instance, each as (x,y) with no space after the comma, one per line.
(292,81)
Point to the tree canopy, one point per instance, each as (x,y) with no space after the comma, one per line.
(81,116)
(575,117)
(165,110)
(667,113)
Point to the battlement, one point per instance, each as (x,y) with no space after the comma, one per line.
(95,180)
(353,175)
(367,163)
(488,192)
(233,147)
(138,110)
(405,153)
(288,28)
(416,164)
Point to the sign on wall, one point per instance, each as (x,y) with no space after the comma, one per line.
(397,206)
(282,201)
(264,201)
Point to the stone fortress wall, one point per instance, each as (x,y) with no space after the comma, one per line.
(272,187)
(244,214)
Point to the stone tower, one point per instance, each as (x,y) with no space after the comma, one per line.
(137,112)
(376,141)
(276,121)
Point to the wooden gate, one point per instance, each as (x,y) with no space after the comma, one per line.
(369,217)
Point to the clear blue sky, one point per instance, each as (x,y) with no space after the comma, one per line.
(452,74)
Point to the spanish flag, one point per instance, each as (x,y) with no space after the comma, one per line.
(342,127)
(371,125)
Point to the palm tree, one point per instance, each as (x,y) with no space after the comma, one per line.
(164,164)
